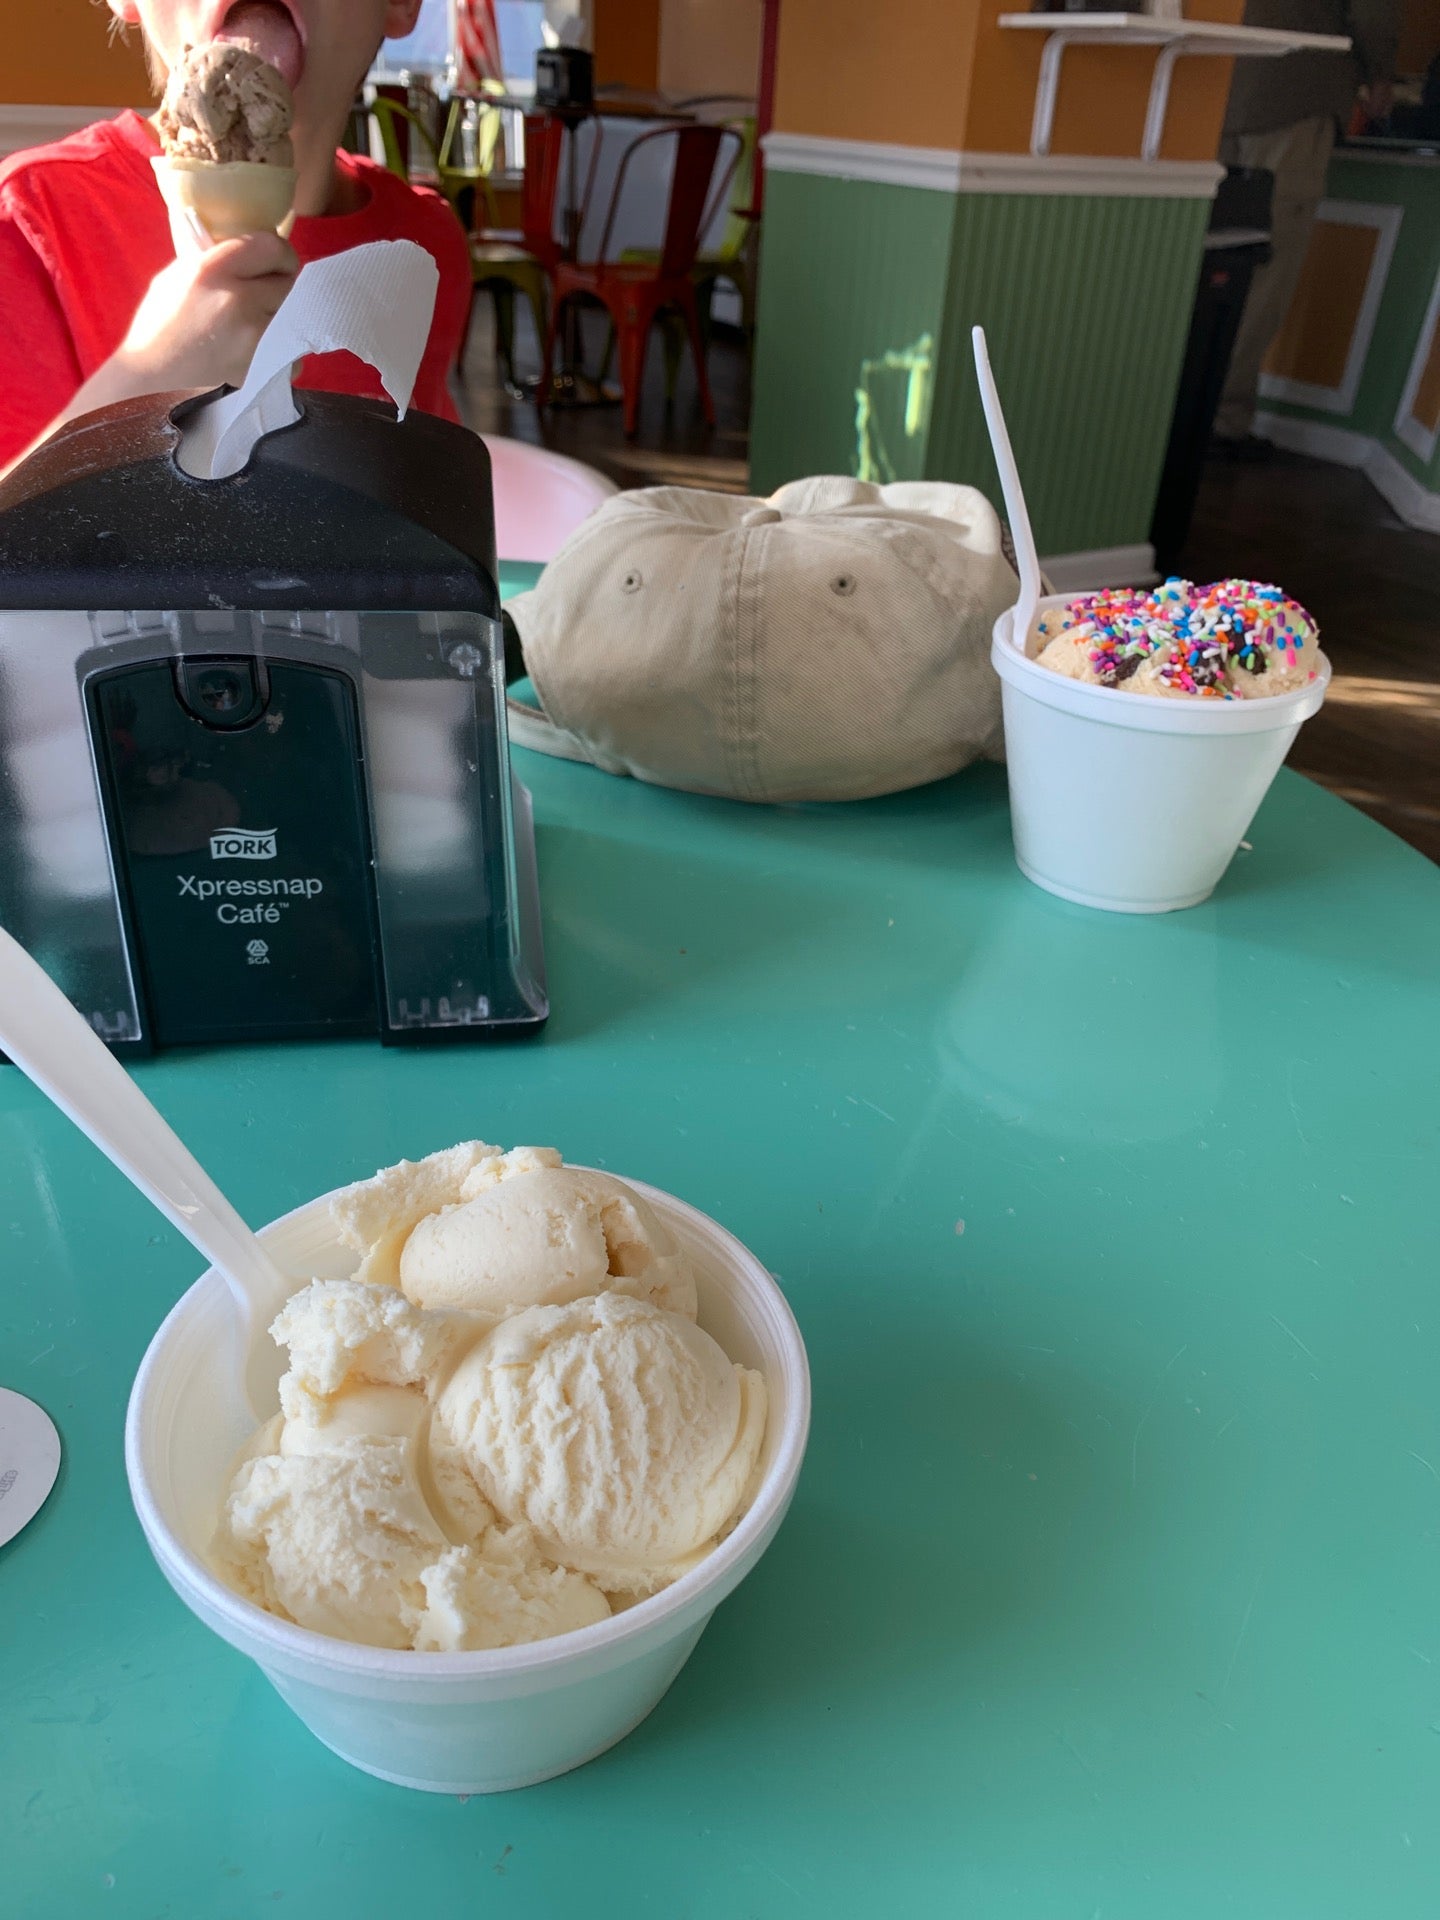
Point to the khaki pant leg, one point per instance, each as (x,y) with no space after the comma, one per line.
(1298,156)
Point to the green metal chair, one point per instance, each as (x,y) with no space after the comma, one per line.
(511,263)
(455,177)
(497,261)
(468,156)
(734,258)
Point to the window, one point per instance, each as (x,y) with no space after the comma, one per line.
(427,49)
(522,32)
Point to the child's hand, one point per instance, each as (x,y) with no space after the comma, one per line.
(197,326)
(202,316)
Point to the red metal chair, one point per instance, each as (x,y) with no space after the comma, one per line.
(634,292)
(545,138)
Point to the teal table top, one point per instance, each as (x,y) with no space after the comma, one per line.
(1110,1588)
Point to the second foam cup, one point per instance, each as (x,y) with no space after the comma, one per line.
(1128,801)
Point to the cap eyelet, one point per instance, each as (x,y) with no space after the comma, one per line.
(632,582)
(843,583)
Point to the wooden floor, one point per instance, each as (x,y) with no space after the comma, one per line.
(1320,531)
(673,446)
(1325,535)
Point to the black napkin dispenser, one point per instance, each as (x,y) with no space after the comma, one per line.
(254,775)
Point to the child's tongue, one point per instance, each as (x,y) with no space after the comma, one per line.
(267,29)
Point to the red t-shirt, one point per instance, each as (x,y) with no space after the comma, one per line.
(83,232)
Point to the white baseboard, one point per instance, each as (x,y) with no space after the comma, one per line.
(37,126)
(1341,445)
(1096,567)
(1416,505)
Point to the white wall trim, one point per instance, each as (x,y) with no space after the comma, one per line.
(1384,156)
(1419,438)
(38,126)
(1416,505)
(1386,222)
(1095,567)
(946,170)
(937,168)
(1074,174)
(1340,445)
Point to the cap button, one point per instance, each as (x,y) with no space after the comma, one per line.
(761,517)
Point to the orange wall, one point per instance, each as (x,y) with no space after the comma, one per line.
(1103,91)
(57,53)
(710,46)
(678,46)
(944,73)
(855,70)
(626,37)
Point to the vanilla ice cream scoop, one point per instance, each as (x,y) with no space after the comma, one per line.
(375,1217)
(543,1234)
(534,1240)
(341,1331)
(533,1426)
(621,1433)
(336,1541)
(359,1411)
(351,1514)
(502,1596)
(363,1410)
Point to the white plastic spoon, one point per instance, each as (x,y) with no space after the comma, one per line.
(1031,586)
(60,1051)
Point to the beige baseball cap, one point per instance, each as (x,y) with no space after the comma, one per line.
(829,643)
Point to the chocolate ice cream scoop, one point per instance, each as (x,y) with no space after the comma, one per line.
(224,104)
(228,168)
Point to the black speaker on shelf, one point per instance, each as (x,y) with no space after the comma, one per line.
(565,80)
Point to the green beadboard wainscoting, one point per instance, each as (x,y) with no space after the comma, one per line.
(1086,300)
(1086,303)
(850,270)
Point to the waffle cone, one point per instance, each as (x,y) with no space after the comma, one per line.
(229,198)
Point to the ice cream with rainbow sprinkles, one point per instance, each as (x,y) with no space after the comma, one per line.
(1230,640)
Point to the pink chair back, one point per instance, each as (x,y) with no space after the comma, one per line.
(540,498)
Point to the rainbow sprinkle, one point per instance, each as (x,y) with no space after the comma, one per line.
(1203,634)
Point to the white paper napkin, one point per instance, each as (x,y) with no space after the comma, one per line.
(375,300)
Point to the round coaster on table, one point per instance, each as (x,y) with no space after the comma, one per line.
(29,1461)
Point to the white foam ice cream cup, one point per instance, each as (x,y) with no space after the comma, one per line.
(1131,801)
(451,1722)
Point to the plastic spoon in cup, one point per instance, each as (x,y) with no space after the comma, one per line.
(1023,617)
(61,1052)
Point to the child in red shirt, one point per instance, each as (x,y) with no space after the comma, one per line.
(94,304)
